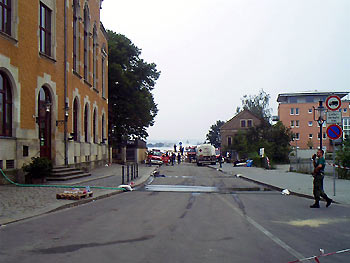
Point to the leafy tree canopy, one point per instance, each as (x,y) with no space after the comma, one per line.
(257,104)
(213,136)
(274,138)
(132,108)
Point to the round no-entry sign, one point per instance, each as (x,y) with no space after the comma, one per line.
(334,131)
(333,102)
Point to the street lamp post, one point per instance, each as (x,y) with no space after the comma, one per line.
(320,120)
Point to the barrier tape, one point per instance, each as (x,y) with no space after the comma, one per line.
(338,166)
(316,258)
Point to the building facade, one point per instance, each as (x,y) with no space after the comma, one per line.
(53,82)
(242,121)
(296,111)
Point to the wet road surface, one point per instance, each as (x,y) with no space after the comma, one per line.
(192,214)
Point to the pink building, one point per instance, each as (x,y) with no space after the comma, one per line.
(296,110)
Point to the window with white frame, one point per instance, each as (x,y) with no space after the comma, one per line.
(310,136)
(297,124)
(310,123)
(291,111)
(346,128)
(292,124)
(297,136)
(5,16)
(296,111)
(45,29)
(76,35)
(86,43)
(310,110)
(94,58)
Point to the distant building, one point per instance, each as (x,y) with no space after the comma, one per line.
(53,83)
(295,110)
(241,122)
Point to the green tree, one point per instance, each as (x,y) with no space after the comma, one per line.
(132,108)
(213,136)
(343,158)
(257,104)
(275,139)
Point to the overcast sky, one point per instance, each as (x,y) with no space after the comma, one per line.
(211,53)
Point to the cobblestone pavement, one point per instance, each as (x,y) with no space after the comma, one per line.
(17,203)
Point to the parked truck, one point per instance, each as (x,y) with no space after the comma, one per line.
(205,154)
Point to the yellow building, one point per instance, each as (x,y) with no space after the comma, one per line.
(53,82)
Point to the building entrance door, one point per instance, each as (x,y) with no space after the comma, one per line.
(44,121)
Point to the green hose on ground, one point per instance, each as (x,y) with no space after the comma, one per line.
(58,186)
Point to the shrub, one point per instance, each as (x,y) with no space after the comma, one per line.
(40,167)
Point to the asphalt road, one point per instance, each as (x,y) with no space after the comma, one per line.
(219,219)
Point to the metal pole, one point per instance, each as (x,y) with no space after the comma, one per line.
(65,85)
(127,174)
(137,170)
(132,172)
(123,173)
(334,152)
(321,135)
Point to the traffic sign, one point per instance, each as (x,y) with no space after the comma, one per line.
(334,131)
(334,117)
(333,102)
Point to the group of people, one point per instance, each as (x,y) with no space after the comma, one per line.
(173,158)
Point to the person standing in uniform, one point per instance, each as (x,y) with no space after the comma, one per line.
(173,156)
(179,158)
(318,174)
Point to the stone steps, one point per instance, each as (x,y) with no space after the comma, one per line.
(63,173)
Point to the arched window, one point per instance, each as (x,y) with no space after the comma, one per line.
(75,35)
(94,57)
(103,70)
(5,16)
(86,122)
(103,129)
(75,119)
(5,106)
(86,43)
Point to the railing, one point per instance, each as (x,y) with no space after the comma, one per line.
(130,172)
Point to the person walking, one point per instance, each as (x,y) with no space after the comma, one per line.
(220,160)
(318,174)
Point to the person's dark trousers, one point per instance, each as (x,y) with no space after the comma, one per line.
(319,192)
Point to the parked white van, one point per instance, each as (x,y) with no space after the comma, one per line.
(205,154)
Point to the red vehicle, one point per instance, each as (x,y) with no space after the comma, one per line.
(155,157)
(191,153)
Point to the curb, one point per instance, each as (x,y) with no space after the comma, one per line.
(276,188)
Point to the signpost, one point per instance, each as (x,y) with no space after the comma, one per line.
(333,117)
(334,131)
(333,103)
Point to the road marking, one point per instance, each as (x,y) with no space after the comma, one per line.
(314,222)
(263,230)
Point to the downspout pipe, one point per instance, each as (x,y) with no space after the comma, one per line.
(66,108)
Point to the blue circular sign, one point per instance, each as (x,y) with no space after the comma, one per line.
(334,132)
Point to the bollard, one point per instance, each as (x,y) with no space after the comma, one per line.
(132,172)
(127,173)
(123,174)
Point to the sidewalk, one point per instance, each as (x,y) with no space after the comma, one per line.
(300,184)
(17,203)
